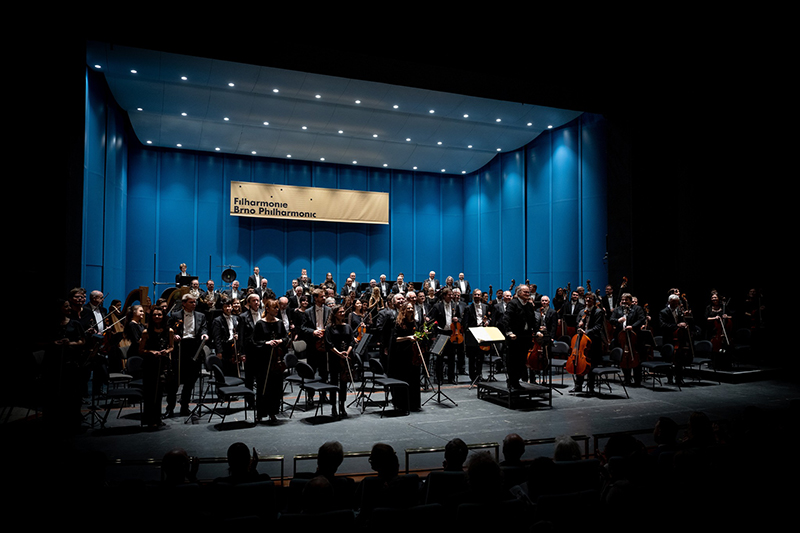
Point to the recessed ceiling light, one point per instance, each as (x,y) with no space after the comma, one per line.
(499,149)
(408,139)
(97,66)
(266,123)
(253,152)
(230,84)
(431,111)
(443,170)
(530,123)
(385,165)
(358,101)
(322,159)
(289,156)
(550,127)
(498,120)
(340,131)
(466,116)
(355,162)
(305,127)
(226,119)
(414,168)
(469,146)
(317,96)
(183,114)
(439,143)
(374,135)
(134,71)
(179,145)
(138,109)
(275,91)
(184,78)
(217,149)
(395,106)
(149,142)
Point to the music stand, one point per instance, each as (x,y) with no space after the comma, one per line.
(486,336)
(436,349)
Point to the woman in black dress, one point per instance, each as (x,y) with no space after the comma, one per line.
(339,346)
(403,362)
(272,341)
(155,347)
(134,328)
(62,369)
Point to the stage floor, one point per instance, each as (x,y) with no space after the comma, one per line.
(461,413)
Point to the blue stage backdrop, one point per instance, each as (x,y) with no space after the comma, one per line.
(538,213)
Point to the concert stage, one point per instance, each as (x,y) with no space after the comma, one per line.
(467,416)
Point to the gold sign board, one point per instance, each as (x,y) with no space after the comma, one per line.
(264,200)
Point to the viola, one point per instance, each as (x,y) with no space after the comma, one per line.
(456,334)
(537,355)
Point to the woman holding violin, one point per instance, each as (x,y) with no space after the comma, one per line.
(339,346)
(271,341)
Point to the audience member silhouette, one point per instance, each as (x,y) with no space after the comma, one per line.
(242,466)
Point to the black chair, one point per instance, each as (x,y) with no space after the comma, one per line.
(703,357)
(379,379)
(558,360)
(309,383)
(440,486)
(228,393)
(122,394)
(659,366)
(608,369)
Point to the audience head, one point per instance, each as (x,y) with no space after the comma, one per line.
(175,467)
(455,453)
(384,460)
(665,431)
(238,458)
(329,457)
(566,449)
(484,475)
(513,448)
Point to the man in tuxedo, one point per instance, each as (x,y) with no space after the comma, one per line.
(518,324)
(591,323)
(385,286)
(475,315)
(247,325)
(224,334)
(547,323)
(255,278)
(92,319)
(234,293)
(431,283)
(629,317)
(264,292)
(314,323)
(570,311)
(191,330)
(209,298)
(463,286)
(294,298)
(400,286)
(348,288)
(444,313)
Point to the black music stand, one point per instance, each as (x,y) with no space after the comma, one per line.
(486,336)
(436,349)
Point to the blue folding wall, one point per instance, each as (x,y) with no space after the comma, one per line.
(537,213)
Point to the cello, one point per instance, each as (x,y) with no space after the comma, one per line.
(579,347)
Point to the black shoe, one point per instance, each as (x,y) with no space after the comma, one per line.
(185,411)
(169,414)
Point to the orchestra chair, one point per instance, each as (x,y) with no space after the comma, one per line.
(309,383)
(123,394)
(660,366)
(609,369)
(558,360)
(703,351)
(117,378)
(380,379)
(134,369)
(227,393)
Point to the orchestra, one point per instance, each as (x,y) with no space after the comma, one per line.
(252,331)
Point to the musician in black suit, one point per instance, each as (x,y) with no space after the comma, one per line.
(676,328)
(570,312)
(444,313)
(431,283)
(385,287)
(348,288)
(224,335)
(591,323)
(475,315)
(463,285)
(234,293)
(264,292)
(547,323)
(628,317)
(254,281)
(191,330)
(518,324)
(399,286)
(247,326)
(314,323)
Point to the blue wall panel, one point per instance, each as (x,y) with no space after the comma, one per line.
(539,212)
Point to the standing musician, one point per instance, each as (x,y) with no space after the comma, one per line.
(156,347)
(248,319)
(570,313)
(404,361)
(444,314)
(190,330)
(63,346)
(134,327)
(676,327)
(475,315)
(314,322)
(719,328)
(591,324)
(519,325)
(271,341)
(629,317)
(339,346)
(546,325)
(224,333)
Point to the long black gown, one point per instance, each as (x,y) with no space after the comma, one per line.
(402,367)
(267,366)
(339,336)
(153,367)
